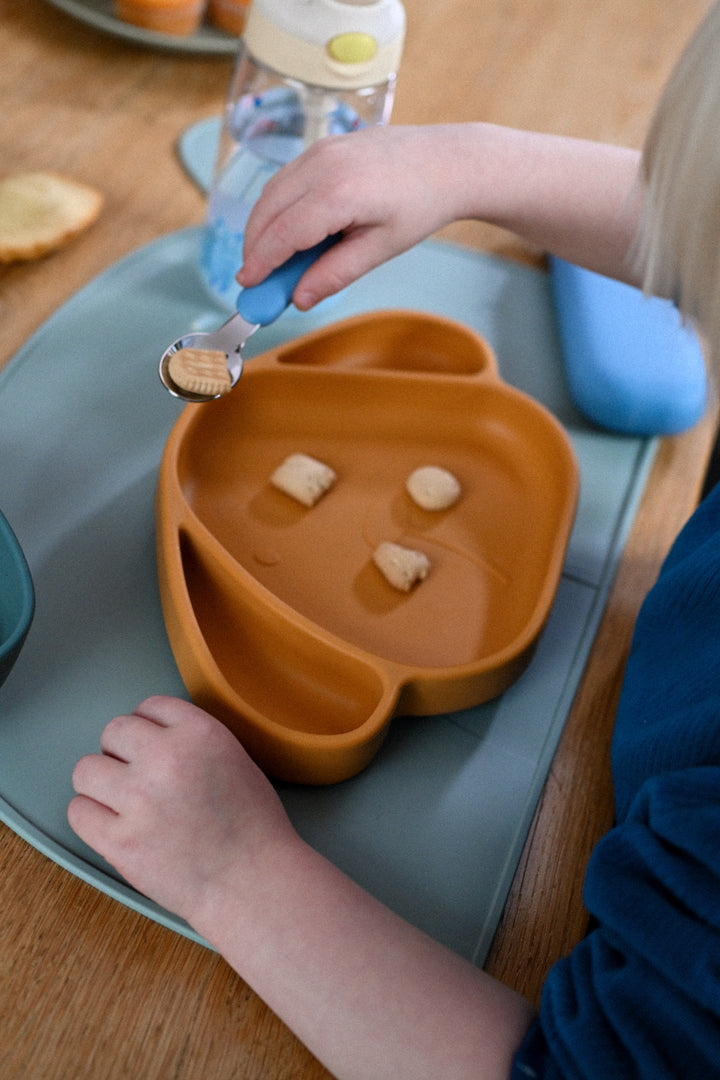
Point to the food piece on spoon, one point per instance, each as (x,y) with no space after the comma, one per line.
(402,567)
(433,488)
(200,371)
(303,478)
(42,211)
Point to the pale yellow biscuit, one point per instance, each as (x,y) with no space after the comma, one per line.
(200,371)
(303,478)
(433,488)
(39,212)
(401,566)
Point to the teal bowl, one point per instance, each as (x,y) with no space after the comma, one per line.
(17,599)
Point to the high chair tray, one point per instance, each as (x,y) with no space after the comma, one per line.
(435,825)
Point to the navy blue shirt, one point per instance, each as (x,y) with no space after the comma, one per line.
(639,997)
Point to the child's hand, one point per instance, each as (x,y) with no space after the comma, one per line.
(388,188)
(175,804)
(384,188)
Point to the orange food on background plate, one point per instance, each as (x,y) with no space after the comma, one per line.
(179,17)
(228,15)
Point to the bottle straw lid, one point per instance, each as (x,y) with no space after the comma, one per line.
(338,44)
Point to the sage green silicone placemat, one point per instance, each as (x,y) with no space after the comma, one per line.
(435,825)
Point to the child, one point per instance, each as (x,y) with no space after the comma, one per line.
(175,804)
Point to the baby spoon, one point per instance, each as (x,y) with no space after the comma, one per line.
(257,306)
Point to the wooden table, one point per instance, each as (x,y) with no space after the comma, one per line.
(88,988)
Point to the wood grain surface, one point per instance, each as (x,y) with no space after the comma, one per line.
(88,988)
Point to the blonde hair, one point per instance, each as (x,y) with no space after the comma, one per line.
(679,236)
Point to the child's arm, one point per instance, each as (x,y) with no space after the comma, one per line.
(388,188)
(175,804)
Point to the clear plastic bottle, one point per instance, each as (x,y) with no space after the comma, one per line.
(305,69)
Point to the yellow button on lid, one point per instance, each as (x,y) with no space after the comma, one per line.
(352,48)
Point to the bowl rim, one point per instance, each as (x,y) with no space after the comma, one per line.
(12,546)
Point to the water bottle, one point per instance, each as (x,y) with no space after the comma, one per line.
(305,69)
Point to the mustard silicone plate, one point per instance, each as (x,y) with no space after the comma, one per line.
(280,623)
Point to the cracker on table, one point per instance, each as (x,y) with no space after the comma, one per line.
(42,211)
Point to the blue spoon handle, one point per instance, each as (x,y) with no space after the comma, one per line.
(264,303)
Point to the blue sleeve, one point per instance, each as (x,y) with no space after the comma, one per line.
(667,717)
(639,998)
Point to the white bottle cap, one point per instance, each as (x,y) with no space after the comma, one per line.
(338,44)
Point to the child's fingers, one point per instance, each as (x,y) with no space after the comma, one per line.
(291,231)
(100,778)
(298,208)
(167,711)
(129,737)
(276,229)
(360,251)
(91,820)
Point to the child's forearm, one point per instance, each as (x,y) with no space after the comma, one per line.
(371,996)
(577,199)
